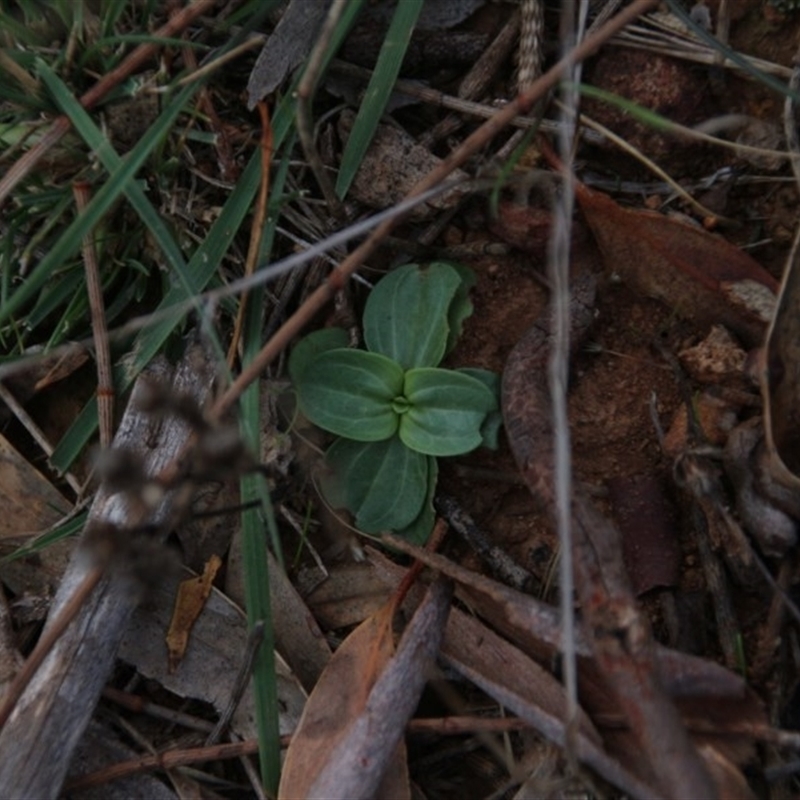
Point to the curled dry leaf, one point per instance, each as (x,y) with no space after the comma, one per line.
(189,604)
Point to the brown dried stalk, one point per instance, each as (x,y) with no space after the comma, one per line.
(105,383)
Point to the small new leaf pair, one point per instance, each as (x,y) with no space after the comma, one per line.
(394,408)
(368,397)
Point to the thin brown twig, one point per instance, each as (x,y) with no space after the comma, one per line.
(138,705)
(305,93)
(257,228)
(316,301)
(228,169)
(61,124)
(168,760)
(456,726)
(94,289)
(254,640)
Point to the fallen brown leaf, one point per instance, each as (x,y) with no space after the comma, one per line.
(336,701)
(700,275)
(189,603)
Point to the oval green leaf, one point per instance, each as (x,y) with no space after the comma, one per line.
(490,429)
(419,531)
(309,347)
(383,484)
(447,411)
(350,393)
(406,315)
(461,306)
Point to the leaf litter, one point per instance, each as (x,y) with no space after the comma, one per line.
(492,628)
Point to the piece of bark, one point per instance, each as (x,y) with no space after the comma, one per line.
(649,530)
(285,49)
(38,740)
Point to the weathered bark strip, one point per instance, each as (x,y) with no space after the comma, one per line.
(38,740)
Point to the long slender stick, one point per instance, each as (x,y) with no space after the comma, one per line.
(257,228)
(305,93)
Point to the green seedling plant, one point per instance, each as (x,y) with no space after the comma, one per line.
(394,409)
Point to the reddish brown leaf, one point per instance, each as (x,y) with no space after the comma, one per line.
(337,700)
(700,275)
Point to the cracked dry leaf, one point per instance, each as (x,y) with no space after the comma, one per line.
(189,604)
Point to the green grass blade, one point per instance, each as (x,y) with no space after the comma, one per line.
(378,91)
(71,527)
(16,31)
(201,268)
(107,195)
(254,542)
(94,138)
(256,583)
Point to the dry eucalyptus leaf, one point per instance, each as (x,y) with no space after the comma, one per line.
(350,739)
(337,700)
(534,627)
(351,593)
(212,659)
(698,274)
(469,643)
(297,635)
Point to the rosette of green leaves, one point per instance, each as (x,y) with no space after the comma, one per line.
(392,405)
